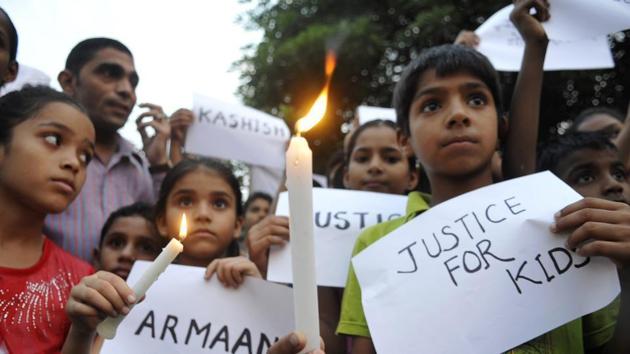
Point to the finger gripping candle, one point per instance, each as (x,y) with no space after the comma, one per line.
(107,328)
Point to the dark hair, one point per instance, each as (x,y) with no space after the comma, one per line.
(18,106)
(254,196)
(142,210)
(13,36)
(560,147)
(335,165)
(445,60)
(85,50)
(590,112)
(377,123)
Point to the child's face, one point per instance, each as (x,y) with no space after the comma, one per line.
(128,239)
(210,207)
(106,87)
(8,68)
(453,124)
(44,165)
(595,173)
(379,164)
(256,211)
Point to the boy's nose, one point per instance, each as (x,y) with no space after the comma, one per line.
(128,253)
(614,189)
(458,116)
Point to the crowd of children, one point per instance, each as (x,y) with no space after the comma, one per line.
(80,205)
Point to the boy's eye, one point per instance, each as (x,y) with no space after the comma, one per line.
(477,100)
(585,178)
(430,106)
(53,139)
(619,174)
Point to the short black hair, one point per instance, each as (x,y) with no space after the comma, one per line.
(18,106)
(85,50)
(13,36)
(446,60)
(560,147)
(589,112)
(142,210)
(257,195)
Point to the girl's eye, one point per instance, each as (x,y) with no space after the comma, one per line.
(185,202)
(477,100)
(392,159)
(116,243)
(220,204)
(361,158)
(53,139)
(430,106)
(85,157)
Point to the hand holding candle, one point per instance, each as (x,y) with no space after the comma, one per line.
(107,328)
(299,169)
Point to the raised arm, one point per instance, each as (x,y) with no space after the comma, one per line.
(520,146)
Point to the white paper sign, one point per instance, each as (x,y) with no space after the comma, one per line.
(480,273)
(367,113)
(229,131)
(340,215)
(504,46)
(183,313)
(580,19)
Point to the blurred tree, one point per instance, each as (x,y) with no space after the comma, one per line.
(375,39)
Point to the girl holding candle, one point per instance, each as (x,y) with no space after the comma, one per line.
(46,142)
(209,193)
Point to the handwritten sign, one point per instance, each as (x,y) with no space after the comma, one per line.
(236,132)
(480,273)
(340,215)
(367,113)
(183,313)
(504,46)
(581,19)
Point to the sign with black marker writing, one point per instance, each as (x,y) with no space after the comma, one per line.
(480,273)
(229,131)
(504,46)
(183,313)
(340,215)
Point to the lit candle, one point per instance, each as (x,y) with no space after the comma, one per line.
(300,187)
(299,169)
(107,328)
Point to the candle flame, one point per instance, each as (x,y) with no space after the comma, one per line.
(318,109)
(183,228)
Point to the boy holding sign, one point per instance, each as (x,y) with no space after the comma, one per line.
(448,104)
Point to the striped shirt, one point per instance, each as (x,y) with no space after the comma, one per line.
(125,180)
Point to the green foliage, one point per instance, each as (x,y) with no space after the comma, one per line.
(375,39)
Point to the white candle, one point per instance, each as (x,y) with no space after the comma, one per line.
(299,166)
(107,328)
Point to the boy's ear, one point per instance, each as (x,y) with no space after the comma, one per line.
(67,81)
(160,224)
(403,141)
(12,72)
(96,254)
(238,226)
(414,179)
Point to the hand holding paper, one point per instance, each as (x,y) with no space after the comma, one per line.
(529,26)
(231,271)
(272,230)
